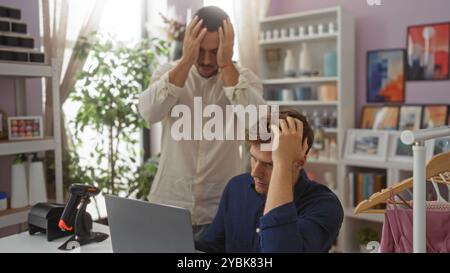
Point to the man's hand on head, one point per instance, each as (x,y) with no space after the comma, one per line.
(192,39)
(291,148)
(226,43)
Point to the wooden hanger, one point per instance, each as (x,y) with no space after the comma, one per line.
(439,164)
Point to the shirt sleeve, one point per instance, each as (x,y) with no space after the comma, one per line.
(314,230)
(214,239)
(158,99)
(248,90)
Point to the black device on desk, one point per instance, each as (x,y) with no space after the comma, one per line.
(44,218)
(73,220)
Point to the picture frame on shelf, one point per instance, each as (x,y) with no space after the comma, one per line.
(25,128)
(439,145)
(434,115)
(410,117)
(398,151)
(386,75)
(380,117)
(366,145)
(428,64)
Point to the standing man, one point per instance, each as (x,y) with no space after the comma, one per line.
(193,173)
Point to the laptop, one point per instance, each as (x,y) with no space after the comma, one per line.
(138,226)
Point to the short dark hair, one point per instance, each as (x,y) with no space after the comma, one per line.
(308,132)
(212,17)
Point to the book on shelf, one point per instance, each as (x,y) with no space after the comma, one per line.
(363,184)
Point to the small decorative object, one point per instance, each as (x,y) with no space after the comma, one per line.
(428,52)
(311,30)
(304,63)
(303,93)
(385,75)
(37,185)
(328,92)
(287,95)
(175,32)
(291,32)
(21,128)
(19,190)
(320,29)
(3,201)
(410,117)
(301,31)
(289,64)
(440,145)
(284,33)
(331,28)
(333,150)
(399,151)
(380,117)
(366,145)
(273,58)
(276,34)
(364,237)
(330,64)
(268,35)
(3,125)
(434,116)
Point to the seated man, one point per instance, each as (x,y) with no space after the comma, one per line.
(276,208)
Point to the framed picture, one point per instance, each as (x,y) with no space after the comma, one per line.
(380,117)
(434,116)
(440,145)
(21,128)
(410,117)
(386,75)
(366,145)
(398,151)
(428,52)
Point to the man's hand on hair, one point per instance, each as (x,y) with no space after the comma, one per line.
(291,147)
(226,43)
(192,39)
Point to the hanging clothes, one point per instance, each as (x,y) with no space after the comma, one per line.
(397,231)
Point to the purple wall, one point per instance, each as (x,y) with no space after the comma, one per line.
(30,15)
(379,27)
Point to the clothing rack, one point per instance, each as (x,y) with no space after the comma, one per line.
(418,138)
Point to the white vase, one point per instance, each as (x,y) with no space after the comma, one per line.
(304,62)
(289,64)
(19,192)
(37,185)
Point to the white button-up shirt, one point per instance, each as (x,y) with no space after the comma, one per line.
(193,173)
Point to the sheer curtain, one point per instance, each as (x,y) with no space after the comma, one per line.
(55,20)
(247,29)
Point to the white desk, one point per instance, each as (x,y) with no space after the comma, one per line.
(24,242)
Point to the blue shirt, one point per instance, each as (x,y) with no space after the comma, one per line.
(308,224)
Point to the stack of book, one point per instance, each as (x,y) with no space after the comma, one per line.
(364,184)
(15,43)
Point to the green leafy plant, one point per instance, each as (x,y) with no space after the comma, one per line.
(107,91)
(366,235)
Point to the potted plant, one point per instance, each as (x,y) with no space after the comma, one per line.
(364,236)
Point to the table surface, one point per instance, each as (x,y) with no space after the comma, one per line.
(24,242)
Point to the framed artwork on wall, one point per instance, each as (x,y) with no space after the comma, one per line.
(434,116)
(366,145)
(398,151)
(386,75)
(410,117)
(380,117)
(428,52)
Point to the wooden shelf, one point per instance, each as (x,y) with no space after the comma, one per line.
(14,216)
(299,80)
(13,69)
(26,146)
(320,161)
(379,164)
(302,103)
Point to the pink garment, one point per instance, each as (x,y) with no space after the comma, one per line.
(397,231)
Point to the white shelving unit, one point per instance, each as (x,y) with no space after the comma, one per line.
(20,72)
(342,41)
